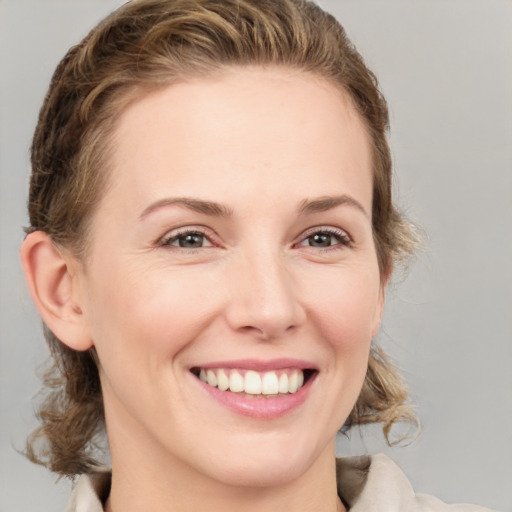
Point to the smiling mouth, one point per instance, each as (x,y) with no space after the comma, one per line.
(256,384)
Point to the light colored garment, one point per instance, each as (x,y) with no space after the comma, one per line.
(376,484)
(366,484)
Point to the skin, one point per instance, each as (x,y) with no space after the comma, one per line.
(259,142)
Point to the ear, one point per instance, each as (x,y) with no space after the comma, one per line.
(54,289)
(379,310)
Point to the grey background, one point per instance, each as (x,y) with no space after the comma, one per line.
(446,69)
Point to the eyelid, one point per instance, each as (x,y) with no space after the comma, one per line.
(342,234)
(165,240)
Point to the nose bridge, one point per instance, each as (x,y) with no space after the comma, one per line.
(264,299)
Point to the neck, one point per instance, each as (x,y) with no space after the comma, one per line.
(170,485)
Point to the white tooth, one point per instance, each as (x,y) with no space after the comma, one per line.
(222,380)
(236,382)
(293,382)
(212,378)
(300,379)
(202,375)
(283,383)
(252,383)
(270,384)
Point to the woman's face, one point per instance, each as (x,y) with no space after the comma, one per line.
(234,245)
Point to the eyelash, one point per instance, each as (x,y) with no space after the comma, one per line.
(170,239)
(341,237)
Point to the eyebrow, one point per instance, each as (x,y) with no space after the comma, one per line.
(196,205)
(212,208)
(325,203)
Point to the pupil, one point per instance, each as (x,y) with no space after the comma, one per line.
(320,240)
(191,240)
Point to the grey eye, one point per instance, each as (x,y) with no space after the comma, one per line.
(190,240)
(321,240)
(325,238)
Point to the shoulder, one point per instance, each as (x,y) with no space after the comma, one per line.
(90,491)
(375,483)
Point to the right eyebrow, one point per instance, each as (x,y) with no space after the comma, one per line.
(325,203)
(196,205)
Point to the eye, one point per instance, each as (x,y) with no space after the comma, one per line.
(187,239)
(325,237)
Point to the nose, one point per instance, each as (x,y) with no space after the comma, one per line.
(264,299)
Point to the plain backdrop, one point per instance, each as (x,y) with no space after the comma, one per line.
(446,69)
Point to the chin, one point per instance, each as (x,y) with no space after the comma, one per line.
(265,464)
(250,474)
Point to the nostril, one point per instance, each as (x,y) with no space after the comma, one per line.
(257,331)
(267,333)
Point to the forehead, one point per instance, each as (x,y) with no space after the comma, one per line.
(260,122)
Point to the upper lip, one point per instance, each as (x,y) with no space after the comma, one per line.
(259,364)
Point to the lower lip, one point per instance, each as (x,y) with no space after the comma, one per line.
(257,406)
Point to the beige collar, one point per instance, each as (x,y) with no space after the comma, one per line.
(365,484)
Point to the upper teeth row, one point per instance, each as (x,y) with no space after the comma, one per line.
(254,383)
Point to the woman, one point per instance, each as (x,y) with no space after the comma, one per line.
(211,236)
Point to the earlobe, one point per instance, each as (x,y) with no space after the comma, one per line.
(54,290)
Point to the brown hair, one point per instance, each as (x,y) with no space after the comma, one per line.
(148,44)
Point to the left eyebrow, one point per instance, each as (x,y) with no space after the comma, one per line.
(325,203)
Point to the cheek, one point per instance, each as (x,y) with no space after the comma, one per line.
(350,309)
(140,323)
(148,313)
(344,318)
